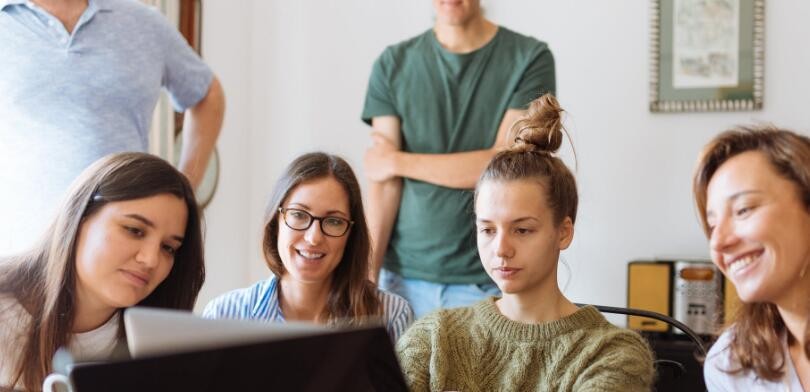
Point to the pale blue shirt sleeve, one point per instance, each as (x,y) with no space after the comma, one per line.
(397,312)
(186,77)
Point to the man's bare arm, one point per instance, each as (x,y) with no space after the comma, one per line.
(455,170)
(201,130)
(383,196)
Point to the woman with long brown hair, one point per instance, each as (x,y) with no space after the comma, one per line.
(127,234)
(532,337)
(316,244)
(752,190)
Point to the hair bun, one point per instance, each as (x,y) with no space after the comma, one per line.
(541,128)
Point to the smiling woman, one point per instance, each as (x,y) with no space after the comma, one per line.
(752,190)
(316,243)
(127,234)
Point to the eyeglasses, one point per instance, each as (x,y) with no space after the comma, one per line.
(301,220)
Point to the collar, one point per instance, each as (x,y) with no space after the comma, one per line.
(100,5)
(4,3)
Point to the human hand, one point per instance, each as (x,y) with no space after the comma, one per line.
(379,162)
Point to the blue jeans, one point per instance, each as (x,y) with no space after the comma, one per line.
(426,297)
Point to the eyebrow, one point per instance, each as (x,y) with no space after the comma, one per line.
(330,212)
(743,193)
(149,223)
(518,220)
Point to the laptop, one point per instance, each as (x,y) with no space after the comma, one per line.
(152,331)
(206,355)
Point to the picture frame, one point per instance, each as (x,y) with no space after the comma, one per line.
(706,55)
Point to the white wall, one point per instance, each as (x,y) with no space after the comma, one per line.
(226,48)
(296,71)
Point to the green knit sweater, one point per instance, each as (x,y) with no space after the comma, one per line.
(478,349)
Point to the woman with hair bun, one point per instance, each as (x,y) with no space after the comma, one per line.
(752,190)
(531,338)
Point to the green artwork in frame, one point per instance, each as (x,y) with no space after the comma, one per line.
(706,55)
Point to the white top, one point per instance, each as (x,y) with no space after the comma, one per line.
(14,319)
(719,358)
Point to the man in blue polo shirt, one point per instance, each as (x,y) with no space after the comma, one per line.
(80,80)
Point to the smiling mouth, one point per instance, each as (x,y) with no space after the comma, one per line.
(310,255)
(741,262)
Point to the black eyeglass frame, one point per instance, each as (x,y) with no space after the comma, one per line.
(313,218)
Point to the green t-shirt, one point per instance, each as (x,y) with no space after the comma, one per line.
(447,103)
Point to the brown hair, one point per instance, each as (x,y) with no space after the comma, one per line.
(756,343)
(352,295)
(536,137)
(43,280)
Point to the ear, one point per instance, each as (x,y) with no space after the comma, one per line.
(565,233)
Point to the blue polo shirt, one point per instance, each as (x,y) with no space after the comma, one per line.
(67,99)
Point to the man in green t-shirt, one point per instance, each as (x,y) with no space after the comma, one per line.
(440,106)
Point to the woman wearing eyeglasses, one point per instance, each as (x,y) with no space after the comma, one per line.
(316,244)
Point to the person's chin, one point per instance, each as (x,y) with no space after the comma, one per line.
(310,276)
(509,287)
(753,290)
(125,300)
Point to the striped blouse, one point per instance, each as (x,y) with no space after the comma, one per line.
(260,302)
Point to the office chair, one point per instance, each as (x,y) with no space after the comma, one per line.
(675,371)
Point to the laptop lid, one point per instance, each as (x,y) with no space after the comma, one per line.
(152,331)
(347,360)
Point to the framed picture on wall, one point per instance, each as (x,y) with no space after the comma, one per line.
(706,55)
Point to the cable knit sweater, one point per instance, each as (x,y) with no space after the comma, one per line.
(478,349)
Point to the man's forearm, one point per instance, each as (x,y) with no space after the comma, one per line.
(456,170)
(383,204)
(201,130)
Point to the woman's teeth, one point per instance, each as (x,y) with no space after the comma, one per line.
(740,263)
(309,255)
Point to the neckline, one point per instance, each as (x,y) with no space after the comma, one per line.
(438,45)
(505,328)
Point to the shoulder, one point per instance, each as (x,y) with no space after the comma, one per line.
(13,319)
(243,302)
(720,352)
(611,358)
(394,306)
(434,328)
(521,40)
(11,312)
(397,313)
(129,16)
(521,46)
(445,321)
(621,341)
(131,8)
(718,361)
(398,52)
